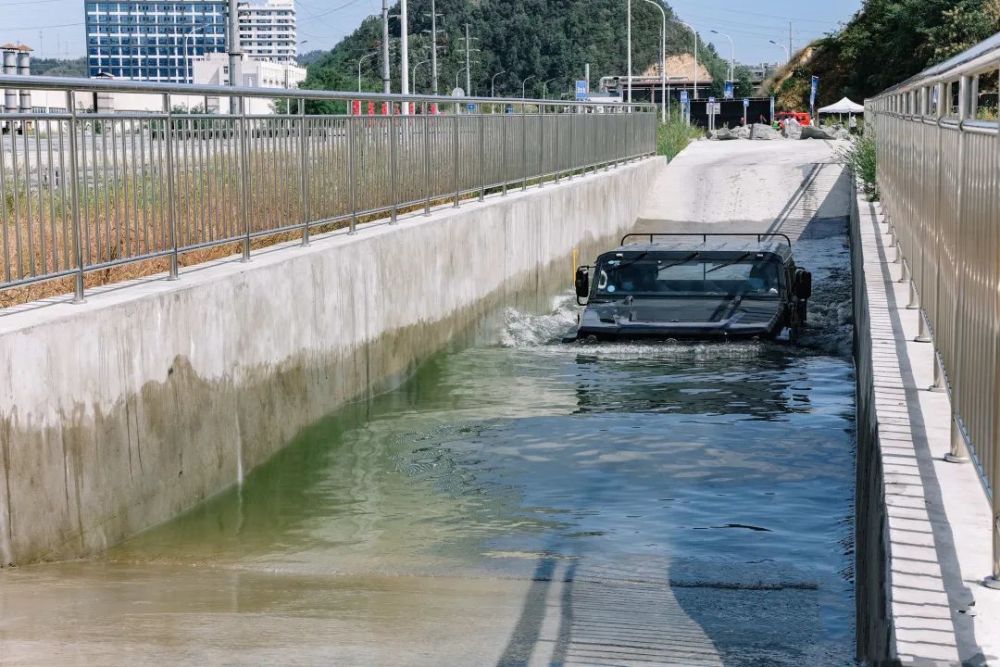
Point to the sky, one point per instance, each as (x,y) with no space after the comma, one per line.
(54,28)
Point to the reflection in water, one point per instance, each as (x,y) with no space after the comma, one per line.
(691,502)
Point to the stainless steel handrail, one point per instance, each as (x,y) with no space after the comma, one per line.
(82,191)
(939,178)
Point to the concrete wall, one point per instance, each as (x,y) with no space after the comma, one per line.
(125,411)
(872,575)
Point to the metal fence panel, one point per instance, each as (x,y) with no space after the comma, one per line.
(939,178)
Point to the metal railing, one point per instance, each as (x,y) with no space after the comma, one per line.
(87,191)
(939,178)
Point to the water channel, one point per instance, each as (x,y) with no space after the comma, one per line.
(519,501)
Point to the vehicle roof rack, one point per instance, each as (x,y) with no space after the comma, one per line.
(704,235)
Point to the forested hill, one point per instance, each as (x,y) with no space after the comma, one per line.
(887,42)
(541,38)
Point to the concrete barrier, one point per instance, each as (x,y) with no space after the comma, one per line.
(873,572)
(125,411)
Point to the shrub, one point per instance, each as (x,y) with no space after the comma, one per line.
(861,156)
(674,135)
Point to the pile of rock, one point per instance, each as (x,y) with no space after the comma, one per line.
(792,129)
(761,132)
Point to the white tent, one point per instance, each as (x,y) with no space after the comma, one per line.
(843,106)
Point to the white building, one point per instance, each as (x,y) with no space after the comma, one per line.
(213,70)
(267,31)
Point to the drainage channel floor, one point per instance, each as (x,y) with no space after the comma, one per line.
(517,501)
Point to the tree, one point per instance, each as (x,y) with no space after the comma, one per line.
(744,82)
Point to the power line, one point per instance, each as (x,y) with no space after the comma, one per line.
(41,27)
(797,19)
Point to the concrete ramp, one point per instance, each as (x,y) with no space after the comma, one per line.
(791,187)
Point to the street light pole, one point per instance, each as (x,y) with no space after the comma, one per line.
(493,82)
(788,54)
(663,62)
(732,52)
(545,87)
(524,84)
(413,78)
(361,60)
(695,77)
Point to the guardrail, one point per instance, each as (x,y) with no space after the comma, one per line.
(939,177)
(85,191)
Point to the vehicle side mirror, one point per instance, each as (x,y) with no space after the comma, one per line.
(582,282)
(803,284)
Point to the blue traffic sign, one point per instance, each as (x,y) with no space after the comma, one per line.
(581,90)
(728,92)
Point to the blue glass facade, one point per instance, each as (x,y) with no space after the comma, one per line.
(152,40)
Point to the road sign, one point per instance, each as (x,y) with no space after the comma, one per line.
(458,92)
(716,108)
(684,96)
(728,92)
(581,90)
(746,102)
(470,107)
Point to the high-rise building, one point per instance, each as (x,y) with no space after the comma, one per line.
(267,30)
(152,40)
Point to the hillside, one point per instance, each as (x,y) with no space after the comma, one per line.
(541,38)
(76,67)
(886,42)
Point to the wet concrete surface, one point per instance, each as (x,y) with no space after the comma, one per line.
(516,501)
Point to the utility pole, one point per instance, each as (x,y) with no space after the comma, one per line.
(468,70)
(386,75)
(468,60)
(629,47)
(404,49)
(235,53)
(434,48)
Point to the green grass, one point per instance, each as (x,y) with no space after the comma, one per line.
(863,159)
(674,135)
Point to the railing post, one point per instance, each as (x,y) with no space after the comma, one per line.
(503,150)
(247,175)
(304,171)
(571,152)
(168,132)
(524,146)
(938,384)
(541,145)
(393,131)
(555,149)
(427,161)
(455,157)
(993,581)
(958,453)
(351,171)
(482,153)
(74,167)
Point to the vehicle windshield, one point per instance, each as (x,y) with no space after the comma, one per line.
(642,274)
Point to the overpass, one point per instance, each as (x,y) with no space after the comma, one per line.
(372,449)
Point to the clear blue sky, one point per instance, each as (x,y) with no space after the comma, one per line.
(55,27)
